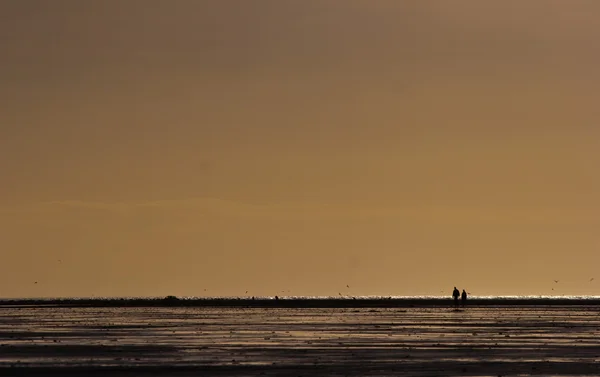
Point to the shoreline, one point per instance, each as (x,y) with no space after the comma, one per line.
(287,302)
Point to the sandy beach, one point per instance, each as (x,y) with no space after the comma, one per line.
(487,340)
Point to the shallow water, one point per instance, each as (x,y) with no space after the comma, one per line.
(554,340)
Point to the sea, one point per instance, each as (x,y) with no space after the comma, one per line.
(301,336)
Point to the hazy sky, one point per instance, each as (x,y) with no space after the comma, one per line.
(214,147)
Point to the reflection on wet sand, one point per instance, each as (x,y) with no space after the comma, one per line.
(558,340)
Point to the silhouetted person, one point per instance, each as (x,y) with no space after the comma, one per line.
(455,295)
(463,298)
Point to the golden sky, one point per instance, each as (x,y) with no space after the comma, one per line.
(293,147)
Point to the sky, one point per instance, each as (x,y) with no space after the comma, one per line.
(218,147)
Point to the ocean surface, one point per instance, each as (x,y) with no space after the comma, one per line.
(305,336)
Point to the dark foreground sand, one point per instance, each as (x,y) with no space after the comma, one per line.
(220,341)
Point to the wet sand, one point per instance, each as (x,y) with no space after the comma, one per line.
(486,340)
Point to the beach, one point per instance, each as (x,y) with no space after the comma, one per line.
(331,340)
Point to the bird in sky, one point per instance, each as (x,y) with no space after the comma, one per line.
(556,281)
(591,279)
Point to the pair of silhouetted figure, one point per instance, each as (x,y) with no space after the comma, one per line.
(463,297)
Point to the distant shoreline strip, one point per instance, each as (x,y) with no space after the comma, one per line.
(286,302)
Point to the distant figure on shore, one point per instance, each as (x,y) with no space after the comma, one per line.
(463,298)
(455,295)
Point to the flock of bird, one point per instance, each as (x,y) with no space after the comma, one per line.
(348,286)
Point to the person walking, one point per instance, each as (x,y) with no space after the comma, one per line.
(463,298)
(455,295)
